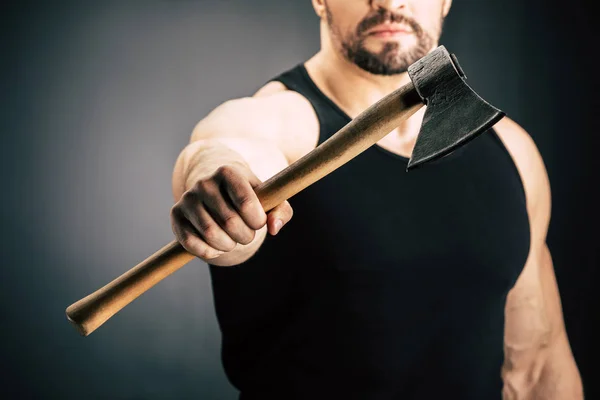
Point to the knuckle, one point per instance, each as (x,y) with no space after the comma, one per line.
(231,222)
(197,247)
(175,212)
(187,240)
(246,203)
(210,233)
(204,253)
(226,172)
(203,186)
(188,198)
(177,219)
(205,226)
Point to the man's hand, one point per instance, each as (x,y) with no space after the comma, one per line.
(222,211)
(217,215)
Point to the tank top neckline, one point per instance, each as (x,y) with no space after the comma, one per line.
(341,112)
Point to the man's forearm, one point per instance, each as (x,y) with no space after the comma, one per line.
(548,372)
(559,378)
(200,160)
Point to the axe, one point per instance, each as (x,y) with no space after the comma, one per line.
(455,114)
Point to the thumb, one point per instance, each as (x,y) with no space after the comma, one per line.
(278,217)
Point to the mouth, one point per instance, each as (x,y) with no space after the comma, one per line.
(389,31)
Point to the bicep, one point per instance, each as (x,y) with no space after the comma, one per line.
(231,132)
(283,121)
(263,156)
(237,129)
(268,132)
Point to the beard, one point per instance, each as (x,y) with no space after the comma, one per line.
(392,59)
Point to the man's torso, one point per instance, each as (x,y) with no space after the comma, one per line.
(386,284)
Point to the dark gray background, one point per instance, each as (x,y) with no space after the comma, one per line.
(98,98)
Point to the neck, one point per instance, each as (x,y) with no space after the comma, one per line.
(354,90)
(351,87)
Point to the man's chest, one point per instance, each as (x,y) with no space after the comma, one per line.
(464,216)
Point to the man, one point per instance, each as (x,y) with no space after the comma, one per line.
(433,284)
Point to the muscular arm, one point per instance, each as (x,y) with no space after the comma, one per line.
(538,363)
(264,133)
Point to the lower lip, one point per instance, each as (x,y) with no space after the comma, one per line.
(389,34)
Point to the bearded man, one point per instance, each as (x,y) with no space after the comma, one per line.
(428,285)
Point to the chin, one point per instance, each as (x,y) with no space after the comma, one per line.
(406,45)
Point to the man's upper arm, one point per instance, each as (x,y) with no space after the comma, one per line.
(269,131)
(274,115)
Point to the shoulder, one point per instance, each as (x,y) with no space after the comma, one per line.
(532,170)
(273,113)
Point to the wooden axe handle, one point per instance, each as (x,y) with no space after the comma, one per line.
(361,133)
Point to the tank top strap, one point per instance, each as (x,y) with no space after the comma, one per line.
(331,118)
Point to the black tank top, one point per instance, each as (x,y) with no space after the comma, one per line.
(385,284)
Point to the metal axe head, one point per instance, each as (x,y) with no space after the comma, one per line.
(455,114)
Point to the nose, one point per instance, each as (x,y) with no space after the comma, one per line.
(389,5)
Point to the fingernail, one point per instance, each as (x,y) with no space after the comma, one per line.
(278,224)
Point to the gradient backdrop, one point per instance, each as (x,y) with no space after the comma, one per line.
(98,98)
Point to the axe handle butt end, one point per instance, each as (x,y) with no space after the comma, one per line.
(93,310)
